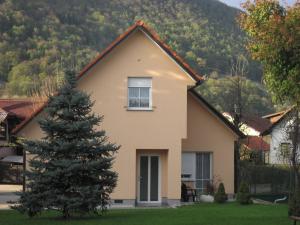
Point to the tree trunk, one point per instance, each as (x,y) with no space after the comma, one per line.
(295,145)
(66,213)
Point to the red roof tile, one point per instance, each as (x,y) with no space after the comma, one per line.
(24,109)
(256,143)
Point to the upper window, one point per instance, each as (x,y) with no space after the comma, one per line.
(139,93)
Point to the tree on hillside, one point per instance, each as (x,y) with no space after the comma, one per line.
(274,39)
(71,169)
(222,93)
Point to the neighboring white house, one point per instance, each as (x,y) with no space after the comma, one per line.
(277,134)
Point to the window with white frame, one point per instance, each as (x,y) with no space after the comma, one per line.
(196,170)
(139,93)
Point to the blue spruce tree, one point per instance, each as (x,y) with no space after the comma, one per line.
(72,168)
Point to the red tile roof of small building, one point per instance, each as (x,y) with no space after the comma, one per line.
(256,143)
(23,109)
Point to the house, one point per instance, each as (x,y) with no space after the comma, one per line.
(278,135)
(254,146)
(168,133)
(13,113)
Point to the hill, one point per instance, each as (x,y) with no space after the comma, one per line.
(41,38)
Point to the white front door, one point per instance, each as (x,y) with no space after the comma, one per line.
(149,179)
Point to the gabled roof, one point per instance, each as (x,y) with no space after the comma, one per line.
(23,109)
(215,112)
(281,116)
(155,37)
(256,122)
(148,31)
(274,116)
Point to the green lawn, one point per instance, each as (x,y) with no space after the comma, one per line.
(202,214)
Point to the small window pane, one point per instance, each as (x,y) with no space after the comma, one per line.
(133,92)
(144,92)
(134,102)
(206,166)
(154,178)
(144,102)
(144,178)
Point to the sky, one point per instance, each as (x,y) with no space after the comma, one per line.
(237,3)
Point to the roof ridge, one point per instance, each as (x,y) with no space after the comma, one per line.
(154,35)
(274,114)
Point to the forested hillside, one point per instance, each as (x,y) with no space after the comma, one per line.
(40,38)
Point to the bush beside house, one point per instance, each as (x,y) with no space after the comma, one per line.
(220,196)
(243,196)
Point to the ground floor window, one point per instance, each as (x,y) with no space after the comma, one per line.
(197,170)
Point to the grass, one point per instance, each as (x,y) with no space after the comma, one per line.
(201,214)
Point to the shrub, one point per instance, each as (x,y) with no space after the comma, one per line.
(243,196)
(277,176)
(220,196)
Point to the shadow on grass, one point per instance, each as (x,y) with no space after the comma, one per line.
(52,215)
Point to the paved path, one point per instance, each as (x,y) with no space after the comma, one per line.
(7,193)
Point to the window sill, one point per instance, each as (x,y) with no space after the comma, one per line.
(139,109)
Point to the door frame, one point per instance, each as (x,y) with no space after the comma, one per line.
(149,180)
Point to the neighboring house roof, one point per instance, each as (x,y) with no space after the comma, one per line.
(256,143)
(148,31)
(274,117)
(252,125)
(258,123)
(281,116)
(23,109)
(216,112)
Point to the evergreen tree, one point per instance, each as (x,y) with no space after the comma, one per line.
(72,168)
(244,196)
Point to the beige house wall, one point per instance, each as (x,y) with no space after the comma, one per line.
(162,128)
(207,133)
